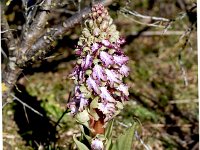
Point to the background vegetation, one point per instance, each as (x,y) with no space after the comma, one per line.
(163,78)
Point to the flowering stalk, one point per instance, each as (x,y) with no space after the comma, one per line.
(98,74)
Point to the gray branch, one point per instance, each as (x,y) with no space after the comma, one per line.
(44,44)
(30,35)
(136,14)
(7,34)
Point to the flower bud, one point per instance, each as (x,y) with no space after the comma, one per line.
(99,19)
(96,144)
(104,25)
(90,23)
(94,15)
(96,31)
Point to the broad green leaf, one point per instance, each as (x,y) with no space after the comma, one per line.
(94,114)
(124,141)
(86,136)
(108,132)
(83,89)
(80,145)
(109,144)
(83,118)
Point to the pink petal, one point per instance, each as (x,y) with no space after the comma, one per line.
(83,103)
(106,95)
(92,85)
(106,108)
(95,47)
(81,76)
(124,70)
(88,61)
(121,41)
(106,58)
(77,90)
(120,60)
(75,72)
(112,76)
(98,73)
(72,107)
(78,51)
(97,144)
(106,43)
(123,89)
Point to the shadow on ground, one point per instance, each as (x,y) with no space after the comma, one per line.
(34,129)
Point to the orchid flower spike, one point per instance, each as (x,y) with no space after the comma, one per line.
(100,69)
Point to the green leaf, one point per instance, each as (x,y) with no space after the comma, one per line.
(119,105)
(80,145)
(94,114)
(108,132)
(124,141)
(94,103)
(86,136)
(109,144)
(83,117)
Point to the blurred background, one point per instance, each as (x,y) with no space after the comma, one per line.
(163,78)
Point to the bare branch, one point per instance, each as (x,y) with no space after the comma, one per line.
(184,101)
(7,34)
(9,78)
(181,64)
(136,14)
(146,146)
(184,74)
(26,105)
(45,43)
(143,23)
(37,27)
(159,33)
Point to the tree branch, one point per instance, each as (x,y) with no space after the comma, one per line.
(7,34)
(11,71)
(36,29)
(38,44)
(45,43)
(136,14)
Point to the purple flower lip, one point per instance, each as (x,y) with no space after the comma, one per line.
(115,46)
(124,89)
(87,62)
(106,58)
(72,107)
(78,51)
(95,47)
(124,70)
(97,144)
(120,59)
(107,108)
(106,43)
(98,73)
(92,85)
(105,94)
(112,76)
(121,41)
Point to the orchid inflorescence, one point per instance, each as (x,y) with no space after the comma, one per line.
(99,92)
